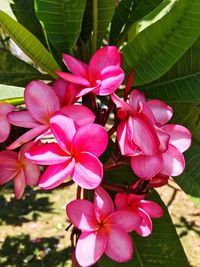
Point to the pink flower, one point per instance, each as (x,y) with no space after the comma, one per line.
(103,229)
(42,103)
(154,147)
(146,209)
(5,108)
(102,76)
(15,166)
(74,155)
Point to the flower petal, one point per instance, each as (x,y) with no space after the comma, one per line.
(135,97)
(63,129)
(119,245)
(8,166)
(46,154)
(81,214)
(88,172)
(180,137)
(73,78)
(173,162)
(80,114)
(124,219)
(4,129)
(121,103)
(147,166)
(56,174)
(22,119)
(60,88)
(145,227)
(31,173)
(91,138)
(28,136)
(103,204)
(41,101)
(121,201)
(90,248)
(5,108)
(161,111)
(151,208)
(19,184)
(144,134)
(158,180)
(76,66)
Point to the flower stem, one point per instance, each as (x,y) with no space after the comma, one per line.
(95,26)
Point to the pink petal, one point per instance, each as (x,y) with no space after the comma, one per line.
(103,204)
(88,89)
(121,103)
(146,166)
(73,78)
(124,219)
(102,58)
(90,248)
(173,162)
(144,134)
(88,171)
(91,138)
(5,108)
(76,66)
(119,245)
(180,137)
(22,119)
(28,136)
(8,166)
(151,208)
(46,154)
(60,87)
(81,214)
(71,95)
(63,129)
(163,138)
(121,201)
(80,114)
(161,111)
(19,184)
(158,180)
(135,97)
(145,227)
(56,174)
(124,138)
(41,101)
(31,172)
(4,129)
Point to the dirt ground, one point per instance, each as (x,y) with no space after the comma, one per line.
(32,231)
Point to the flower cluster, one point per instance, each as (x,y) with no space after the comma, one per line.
(144,139)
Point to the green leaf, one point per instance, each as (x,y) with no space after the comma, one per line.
(61,20)
(24,12)
(128,12)
(14,71)
(182,82)
(105,13)
(87,22)
(161,249)
(29,44)
(11,94)
(157,48)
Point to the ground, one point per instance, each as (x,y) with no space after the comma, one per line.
(32,231)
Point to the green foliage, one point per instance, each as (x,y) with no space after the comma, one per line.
(182,82)
(14,71)
(161,249)
(61,21)
(157,48)
(29,44)
(24,12)
(11,94)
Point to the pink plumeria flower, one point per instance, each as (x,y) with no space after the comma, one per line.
(145,209)
(5,126)
(42,103)
(16,166)
(104,230)
(74,155)
(102,76)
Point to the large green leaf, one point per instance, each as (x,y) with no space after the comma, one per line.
(24,12)
(189,116)
(126,13)
(61,20)
(161,249)
(11,94)
(86,29)
(14,71)
(157,48)
(29,44)
(182,82)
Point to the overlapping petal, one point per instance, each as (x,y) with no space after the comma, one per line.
(151,208)
(76,66)
(145,227)
(19,184)
(22,119)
